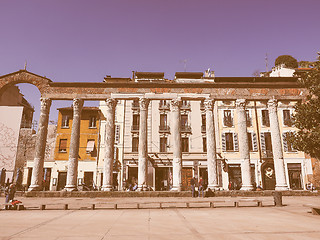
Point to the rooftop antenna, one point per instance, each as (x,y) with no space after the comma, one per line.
(266,59)
(25,65)
(184,61)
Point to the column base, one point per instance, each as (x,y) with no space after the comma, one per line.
(281,188)
(34,188)
(107,188)
(175,189)
(71,188)
(246,188)
(214,187)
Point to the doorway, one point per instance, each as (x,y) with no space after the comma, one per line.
(132,175)
(268,176)
(294,172)
(162,175)
(234,172)
(186,175)
(62,180)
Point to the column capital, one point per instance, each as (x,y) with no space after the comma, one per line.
(45,104)
(176,104)
(77,104)
(208,104)
(241,104)
(273,103)
(144,103)
(111,103)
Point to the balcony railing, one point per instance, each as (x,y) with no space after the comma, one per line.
(203,128)
(185,105)
(185,128)
(267,154)
(164,128)
(164,106)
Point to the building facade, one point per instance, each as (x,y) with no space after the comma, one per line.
(160,132)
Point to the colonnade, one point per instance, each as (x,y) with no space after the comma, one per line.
(71,184)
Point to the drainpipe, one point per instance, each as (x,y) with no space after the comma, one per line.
(258,139)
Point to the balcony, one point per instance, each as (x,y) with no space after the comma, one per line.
(186,129)
(164,105)
(203,129)
(135,128)
(185,105)
(135,105)
(164,129)
(267,154)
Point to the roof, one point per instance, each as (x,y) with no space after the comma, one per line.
(149,75)
(115,80)
(189,75)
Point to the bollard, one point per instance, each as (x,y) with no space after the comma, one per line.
(277,197)
(43,207)
(66,207)
(93,206)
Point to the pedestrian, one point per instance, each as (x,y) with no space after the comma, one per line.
(201,187)
(9,193)
(193,186)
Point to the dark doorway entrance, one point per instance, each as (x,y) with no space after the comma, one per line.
(186,177)
(46,179)
(268,176)
(203,172)
(234,172)
(294,171)
(162,175)
(88,179)
(133,175)
(62,180)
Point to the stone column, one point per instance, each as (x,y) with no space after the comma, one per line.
(109,143)
(72,173)
(211,146)
(177,148)
(244,145)
(40,147)
(143,145)
(281,181)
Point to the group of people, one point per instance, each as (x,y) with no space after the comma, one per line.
(201,184)
(9,192)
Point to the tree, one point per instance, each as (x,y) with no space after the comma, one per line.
(307,115)
(287,60)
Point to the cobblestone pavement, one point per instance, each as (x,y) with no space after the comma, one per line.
(293,221)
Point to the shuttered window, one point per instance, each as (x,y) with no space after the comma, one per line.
(230,142)
(63,145)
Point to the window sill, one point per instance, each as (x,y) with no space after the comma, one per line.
(65,127)
(92,127)
(62,151)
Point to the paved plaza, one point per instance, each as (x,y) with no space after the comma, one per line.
(293,221)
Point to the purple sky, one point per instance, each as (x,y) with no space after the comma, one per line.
(76,40)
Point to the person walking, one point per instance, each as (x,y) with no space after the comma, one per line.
(201,187)
(193,186)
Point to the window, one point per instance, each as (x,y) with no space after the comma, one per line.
(65,121)
(268,142)
(135,121)
(287,121)
(203,121)
(185,144)
(163,144)
(288,147)
(250,141)
(163,120)
(227,118)
(184,123)
(90,146)
(204,144)
(135,144)
(229,142)
(265,118)
(249,120)
(93,122)
(63,145)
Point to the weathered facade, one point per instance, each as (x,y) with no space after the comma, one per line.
(212,97)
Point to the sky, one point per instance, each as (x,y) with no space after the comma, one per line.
(83,41)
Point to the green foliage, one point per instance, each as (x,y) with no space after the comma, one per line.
(307,116)
(287,60)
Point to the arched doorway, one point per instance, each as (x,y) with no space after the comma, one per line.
(268,175)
